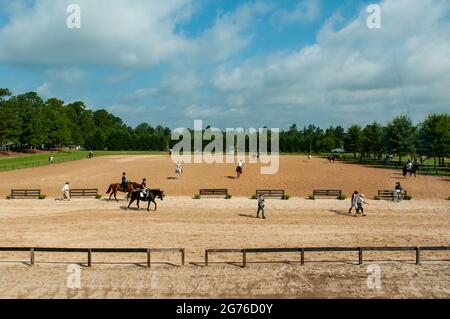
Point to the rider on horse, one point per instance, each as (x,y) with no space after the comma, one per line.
(240,168)
(124,183)
(143,187)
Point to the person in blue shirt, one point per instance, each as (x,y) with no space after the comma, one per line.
(124,181)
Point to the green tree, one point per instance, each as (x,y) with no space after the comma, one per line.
(35,126)
(59,131)
(400,137)
(372,139)
(4,93)
(81,122)
(434,137)
(96,141)
(10,123)
(353,140)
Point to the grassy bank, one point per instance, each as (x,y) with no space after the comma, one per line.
(37,160)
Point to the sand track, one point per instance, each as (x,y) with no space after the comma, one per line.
(217,223)
(296,175)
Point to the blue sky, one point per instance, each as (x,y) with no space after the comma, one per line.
(232,63)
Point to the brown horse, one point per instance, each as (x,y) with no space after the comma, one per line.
(115,188)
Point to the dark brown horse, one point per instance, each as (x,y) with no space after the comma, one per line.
(148,196)
(115,188)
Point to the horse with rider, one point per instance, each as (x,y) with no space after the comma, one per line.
(411,167)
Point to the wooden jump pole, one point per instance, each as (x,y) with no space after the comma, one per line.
(302,256)
(417,256)
(360,251)
(149,260)
(31,256)
(206,258)
(244,258)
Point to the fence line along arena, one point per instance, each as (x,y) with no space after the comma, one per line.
(217,224)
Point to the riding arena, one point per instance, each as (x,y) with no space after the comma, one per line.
(204,239)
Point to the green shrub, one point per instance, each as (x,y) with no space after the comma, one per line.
(98,196)
(42,196)
(254,196)
(8,197)
(286,197)
(376,197)
(229,196)
(408,197)
(342,197)
(311,197)
(448,198)
(196,196)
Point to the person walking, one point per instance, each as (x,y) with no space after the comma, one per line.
(353,202)
(261,206)
(179,170)
(360,201)
(66,191)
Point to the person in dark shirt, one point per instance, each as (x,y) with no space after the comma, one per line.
(261,206)
(353,202)
(124,181)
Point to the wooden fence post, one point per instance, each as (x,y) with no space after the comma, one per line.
(149,260)
(206,258)
(360,250)
(244,258)
(417,256)
(302,257)
(89,257)
(31,256)
(182,256)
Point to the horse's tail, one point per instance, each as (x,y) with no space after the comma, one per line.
(109,189)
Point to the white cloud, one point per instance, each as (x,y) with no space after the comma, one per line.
(112,32)
(196,112)
(353,73)
(305,11)
(117,33)
(45,90)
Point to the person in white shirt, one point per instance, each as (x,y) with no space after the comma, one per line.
(66,191)
(179,170)
(360,201)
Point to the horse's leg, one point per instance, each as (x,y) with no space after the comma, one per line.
(156,206)
(129,205)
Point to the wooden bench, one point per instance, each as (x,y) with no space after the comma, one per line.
(390,195)
(336,193)
(25,193)
(84,193)
(271,193)
(213,192)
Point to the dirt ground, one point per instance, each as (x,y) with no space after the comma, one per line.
(196,225)
(217,223)
(297,175)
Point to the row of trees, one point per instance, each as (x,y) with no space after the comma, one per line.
(399,137)
(27,121)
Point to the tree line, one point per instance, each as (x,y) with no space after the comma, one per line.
(28,121)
